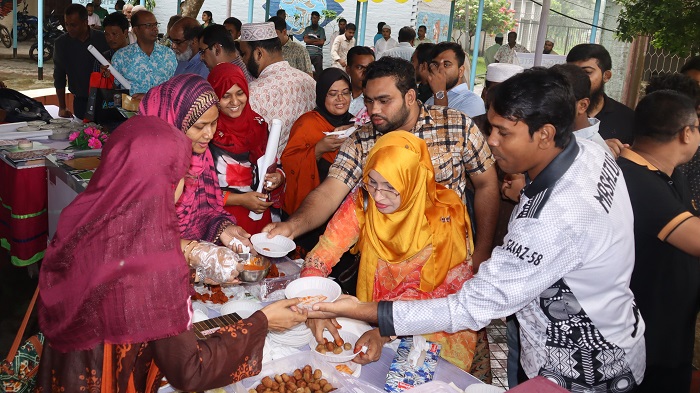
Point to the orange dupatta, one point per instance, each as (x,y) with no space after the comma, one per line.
(429,213)
(299,158)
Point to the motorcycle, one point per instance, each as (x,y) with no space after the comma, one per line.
(52,30)
(5,35)
(26,24)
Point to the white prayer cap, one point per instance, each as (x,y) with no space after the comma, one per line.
(138,8)
(386,27)
(258,31)
(549,39)
(498,72)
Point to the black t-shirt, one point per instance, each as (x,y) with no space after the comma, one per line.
(665,280)
(73,60)
(616,121)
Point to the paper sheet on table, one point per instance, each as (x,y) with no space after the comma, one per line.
(268,159)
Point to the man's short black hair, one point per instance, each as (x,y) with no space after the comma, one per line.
(280,24)
(116,19)
(119,5)
(358,51)
(401,70)
(445,46)
(498,40)
(422,27)
(578,79)
(217,34)
(273,45)
(235,22)
(583,52)
(315,13)
(407,34)
(350,26)
(537,96)
(513,33)
(677,82)
(193,31)
(89,5)
(76,9)
(692,64)
(424,52)
(661,115)
(341,20)
(380,26)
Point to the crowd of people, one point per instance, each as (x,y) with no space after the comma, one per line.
(406,212)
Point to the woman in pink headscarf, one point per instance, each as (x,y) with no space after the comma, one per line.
(188,103)
(114,284)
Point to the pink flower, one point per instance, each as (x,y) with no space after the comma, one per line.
(94,143)
(73,136)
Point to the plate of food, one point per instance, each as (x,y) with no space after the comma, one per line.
(335,351)
(342,133)
(276,247)
(312,290)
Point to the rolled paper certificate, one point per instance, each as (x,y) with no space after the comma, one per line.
(123,81)
(268,159)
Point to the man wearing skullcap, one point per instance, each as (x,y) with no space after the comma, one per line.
(385,43)
(280,90)
(549,47)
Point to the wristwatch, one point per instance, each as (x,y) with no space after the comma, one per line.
(439,94)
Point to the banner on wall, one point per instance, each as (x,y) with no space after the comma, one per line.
(435,16)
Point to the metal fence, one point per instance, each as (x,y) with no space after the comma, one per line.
(565,37)
(658,61)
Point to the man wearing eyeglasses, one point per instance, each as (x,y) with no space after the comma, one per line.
(184,38)
(145,63)
(666,273)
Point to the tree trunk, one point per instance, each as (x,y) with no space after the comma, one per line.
(191,8)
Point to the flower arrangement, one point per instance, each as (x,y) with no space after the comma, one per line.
(88,138)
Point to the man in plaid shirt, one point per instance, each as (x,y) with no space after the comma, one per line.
(458,150)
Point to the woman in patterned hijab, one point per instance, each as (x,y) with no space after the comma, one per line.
(188,102)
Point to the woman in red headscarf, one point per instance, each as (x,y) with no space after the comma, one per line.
(114,284)
(240,139)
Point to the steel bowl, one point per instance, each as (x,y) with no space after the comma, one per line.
(255,269)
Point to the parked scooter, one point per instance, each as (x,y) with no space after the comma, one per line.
(52,30)
(26,24)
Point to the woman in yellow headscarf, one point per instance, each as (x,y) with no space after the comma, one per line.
(412,235)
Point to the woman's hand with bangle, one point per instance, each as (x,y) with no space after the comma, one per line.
(235,232)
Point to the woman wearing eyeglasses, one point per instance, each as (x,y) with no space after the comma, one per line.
(411,235)
(309,152)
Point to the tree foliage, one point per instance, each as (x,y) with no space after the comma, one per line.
(673,25)
(497,18)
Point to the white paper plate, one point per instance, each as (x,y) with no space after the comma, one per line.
(353,326)
(313,286)
(276,247)
(28,128)
(244,308)
(36,123)
(51,126)
(342,357)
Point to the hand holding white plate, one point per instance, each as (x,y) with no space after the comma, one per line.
(312,290)
(276,247)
